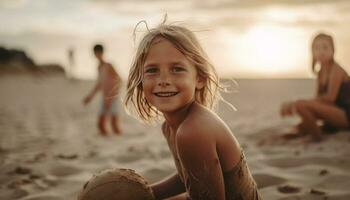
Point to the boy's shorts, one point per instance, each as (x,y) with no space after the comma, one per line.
(113,110)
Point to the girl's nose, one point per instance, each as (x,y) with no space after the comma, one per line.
(164,80)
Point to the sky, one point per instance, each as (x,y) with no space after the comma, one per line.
(243,38)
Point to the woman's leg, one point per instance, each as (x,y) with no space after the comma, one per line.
(309,120)
(312,110)
(295,132)
(329,113)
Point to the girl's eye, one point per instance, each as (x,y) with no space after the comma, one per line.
(178,69)
(151,70)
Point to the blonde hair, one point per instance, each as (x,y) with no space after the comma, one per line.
(331,42)
(185,41)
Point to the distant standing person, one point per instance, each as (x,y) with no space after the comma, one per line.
(108,83)
(331,104)
(71,62)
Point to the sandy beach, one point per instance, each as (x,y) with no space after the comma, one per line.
(49,144)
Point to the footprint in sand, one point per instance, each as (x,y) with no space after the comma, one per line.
(64,170)
(266,180)
(127,158)
(317,192)
(133,154)
(67,156)
(288,189)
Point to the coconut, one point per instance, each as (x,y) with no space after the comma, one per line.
(116,184)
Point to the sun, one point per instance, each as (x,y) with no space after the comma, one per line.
(268,49)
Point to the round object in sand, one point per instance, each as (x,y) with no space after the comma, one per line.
(116,184)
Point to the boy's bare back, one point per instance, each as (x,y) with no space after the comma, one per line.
(109,80)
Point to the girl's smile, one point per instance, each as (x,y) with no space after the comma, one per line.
(170,79)
(165,94)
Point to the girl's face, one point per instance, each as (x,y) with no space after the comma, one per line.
(322,50)
(170,79)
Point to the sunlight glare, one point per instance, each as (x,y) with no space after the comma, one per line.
(268,49)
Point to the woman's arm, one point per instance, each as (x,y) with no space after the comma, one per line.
(169,187)
(335,80)
(199,158)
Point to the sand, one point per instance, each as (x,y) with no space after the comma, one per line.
(49,145)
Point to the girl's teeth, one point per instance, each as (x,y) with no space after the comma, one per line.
(167,94)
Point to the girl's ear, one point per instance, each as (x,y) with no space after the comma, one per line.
(200,83)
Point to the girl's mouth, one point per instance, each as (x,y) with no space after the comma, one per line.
(165,94)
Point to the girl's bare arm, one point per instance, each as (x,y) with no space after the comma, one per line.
(335,80)
(198,155)
(169,187)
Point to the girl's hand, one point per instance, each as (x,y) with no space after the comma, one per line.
(287,109)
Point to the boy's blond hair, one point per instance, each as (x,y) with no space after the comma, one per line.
(185,41)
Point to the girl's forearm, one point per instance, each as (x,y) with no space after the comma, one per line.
(169,187)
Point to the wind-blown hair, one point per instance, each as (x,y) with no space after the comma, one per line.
(185,41)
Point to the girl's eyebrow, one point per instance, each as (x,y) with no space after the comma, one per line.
(171,63)
(150,65)
(177,63)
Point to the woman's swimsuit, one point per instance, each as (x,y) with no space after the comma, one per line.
(343,98)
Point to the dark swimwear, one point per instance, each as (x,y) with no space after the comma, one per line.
(343,99)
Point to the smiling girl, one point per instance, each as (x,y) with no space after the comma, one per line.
(172,77)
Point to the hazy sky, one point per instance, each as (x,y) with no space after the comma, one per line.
(244,38)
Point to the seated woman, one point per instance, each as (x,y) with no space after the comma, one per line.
(332,102)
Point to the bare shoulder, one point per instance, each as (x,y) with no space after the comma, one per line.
(196,136)
(202,121)
(205,126)
(112,70)
(108,66)
(204,132)
(338,71)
